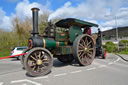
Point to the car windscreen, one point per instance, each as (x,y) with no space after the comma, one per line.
(21,48)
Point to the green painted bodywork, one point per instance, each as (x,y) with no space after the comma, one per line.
(74,31)
(60,49)
(74,26)
(63,50)
(59,36)
(50,43)
(61,42)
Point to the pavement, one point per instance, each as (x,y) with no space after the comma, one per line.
(110,71)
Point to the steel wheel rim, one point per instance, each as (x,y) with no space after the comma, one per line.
(86,50)
(23,56)
(39,61)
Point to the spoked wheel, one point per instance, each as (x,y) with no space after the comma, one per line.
(23,56)
(38,62)
(84,49)
(65,58)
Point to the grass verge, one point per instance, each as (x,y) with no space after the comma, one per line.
(4,53)
(124,52)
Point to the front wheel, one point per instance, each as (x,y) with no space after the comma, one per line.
(23,57)
(38,61)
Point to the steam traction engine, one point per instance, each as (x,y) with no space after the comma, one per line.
(74,43)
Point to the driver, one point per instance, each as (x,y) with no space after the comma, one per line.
(87,30)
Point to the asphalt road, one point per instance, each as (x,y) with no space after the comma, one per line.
(111,71)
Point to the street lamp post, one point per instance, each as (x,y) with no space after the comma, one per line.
(116,33)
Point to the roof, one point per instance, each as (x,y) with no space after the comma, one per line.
(68,22)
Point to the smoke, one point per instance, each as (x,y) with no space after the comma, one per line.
(23,9)
(61,12)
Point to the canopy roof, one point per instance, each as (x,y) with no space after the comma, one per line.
(68,22)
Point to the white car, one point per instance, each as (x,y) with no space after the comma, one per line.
(18,50)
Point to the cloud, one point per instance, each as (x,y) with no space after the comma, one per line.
(23,9)
(91,9)
(5,21)
(106,28)
(2,13)
(120,19)
(118,22)
(95,10)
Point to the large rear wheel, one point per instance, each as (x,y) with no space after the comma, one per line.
(38,61)
(84,49)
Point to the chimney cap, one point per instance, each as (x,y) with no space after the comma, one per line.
(35,9)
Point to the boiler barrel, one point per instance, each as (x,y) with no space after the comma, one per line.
(50,43)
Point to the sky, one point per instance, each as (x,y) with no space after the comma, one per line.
(102,12)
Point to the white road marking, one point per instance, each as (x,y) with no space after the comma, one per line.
(91,68)
(110,63)
(18,81)
(102,66)
(60,74)
(24,84)
(76,71)
(1,83)
(116,60)
(25,80)
(96,63)
(44,77)
(121,59)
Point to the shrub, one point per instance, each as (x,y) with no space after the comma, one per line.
(110,47)
(123,43)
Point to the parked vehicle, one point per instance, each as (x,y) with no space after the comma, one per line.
(18,50)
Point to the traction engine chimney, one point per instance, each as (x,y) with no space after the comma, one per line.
(35,40)
(35,21)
